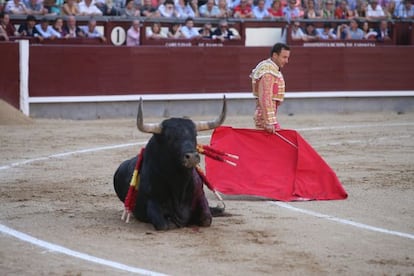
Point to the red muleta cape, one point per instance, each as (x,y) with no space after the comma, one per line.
(270,167)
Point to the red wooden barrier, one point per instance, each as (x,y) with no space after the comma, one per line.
(87,70)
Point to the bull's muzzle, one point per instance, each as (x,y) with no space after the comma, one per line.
(191,159)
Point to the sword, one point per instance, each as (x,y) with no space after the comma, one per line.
(285,139)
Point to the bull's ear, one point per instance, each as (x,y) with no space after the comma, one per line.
(206,125)
(148,128)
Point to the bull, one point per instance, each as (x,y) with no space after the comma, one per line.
(170,191)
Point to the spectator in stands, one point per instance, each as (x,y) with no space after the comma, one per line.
(319,5)
(16,7)
(243,10)
(155,32)
(106,7)
(223,32)
(167,9)
(276,10)
(368,33)
(35,8)
(206,31)
(389,9)
(186,9)
(352,31)
(70,7)
(310,11)
(174,31)
(327,32)
(118,6)
(225,11)
(91,31)
(133,34)
(291,12)
(328,11)
(46,31)
(297,32)
(130,9)
(310,32)
(3,34)
(53,6)
(2,5)
(88,8)
(188,29)
(404,10)
(268,4)
(209,10)
(382,32)
(362,9)
(232,4)
(149,10)
(343,11)
(72,28)
(58,26)
(375,11)
(7,25)
(299,6)
(259,11)
(28,28)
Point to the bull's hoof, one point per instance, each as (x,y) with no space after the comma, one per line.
(206,222)
(163,227)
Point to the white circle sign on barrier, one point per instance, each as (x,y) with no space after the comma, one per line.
(118,36)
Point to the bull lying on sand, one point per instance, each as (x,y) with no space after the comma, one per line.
(170,192)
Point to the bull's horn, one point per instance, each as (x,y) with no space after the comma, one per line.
(148,128)
(206,125)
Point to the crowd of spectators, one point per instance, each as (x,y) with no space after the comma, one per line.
(351,31)
(255,9)
(44,29)
(356,12)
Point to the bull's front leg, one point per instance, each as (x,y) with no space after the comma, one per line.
(157,217)
(201,214)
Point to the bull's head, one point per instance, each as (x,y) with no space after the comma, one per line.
(178,135)
(200,125)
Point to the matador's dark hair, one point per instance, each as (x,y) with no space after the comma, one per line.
(278,47)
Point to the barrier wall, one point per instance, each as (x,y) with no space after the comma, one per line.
(57,70)
(9,73)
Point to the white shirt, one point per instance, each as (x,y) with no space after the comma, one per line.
(48,33)
(299,34)
(260,14)
(93,33)
(377,12)
(89,10)
(132,37)
(12,8)
(189,33)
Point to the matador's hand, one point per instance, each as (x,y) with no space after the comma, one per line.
(272,128)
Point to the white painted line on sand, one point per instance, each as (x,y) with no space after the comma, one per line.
(355,126)
(60,249)
(342,221)
(69,153)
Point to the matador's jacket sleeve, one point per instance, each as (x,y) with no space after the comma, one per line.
(265,99)
(269,87)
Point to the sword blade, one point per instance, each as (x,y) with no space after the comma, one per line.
(285,139)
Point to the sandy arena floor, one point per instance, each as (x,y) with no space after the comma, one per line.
(56,187)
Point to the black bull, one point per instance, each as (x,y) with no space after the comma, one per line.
(170,191)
